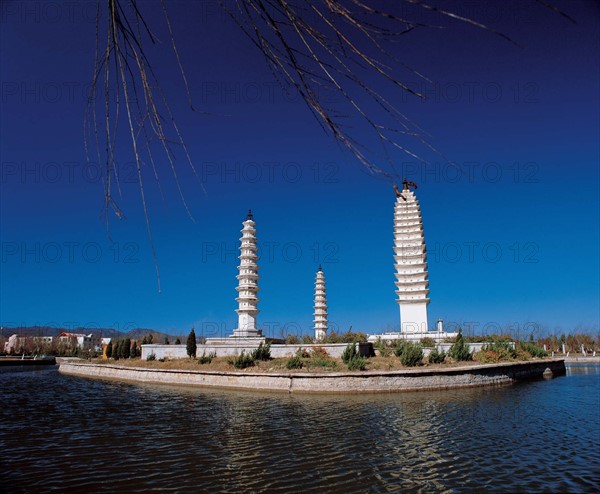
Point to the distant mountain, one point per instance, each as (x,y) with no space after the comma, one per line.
(134,334)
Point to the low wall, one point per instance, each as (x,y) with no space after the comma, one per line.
(330,382)
(232,349)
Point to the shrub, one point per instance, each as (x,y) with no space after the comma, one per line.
(503,349)
(460,350)
(319,352)
(243,360)
(436,357)
(486,357)
(125,351)
(294,362)
(332,337)
(427,342)
(178,341)
(109,349)
(190,344)
(292,339)
(323,362)
(320,358)
(151,357)
(350,337)
(400,347)
(307,339)
(412,355)
(207,359)
(262,352)
(383,348)
(357,363)
(532,349)
(349,353)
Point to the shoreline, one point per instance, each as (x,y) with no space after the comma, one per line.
(329,382)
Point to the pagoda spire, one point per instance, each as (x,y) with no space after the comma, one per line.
(247,282)
(410,262)
(320,307)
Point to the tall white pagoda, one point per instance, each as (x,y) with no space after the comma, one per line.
(410,262)
(247,282)
(320,314)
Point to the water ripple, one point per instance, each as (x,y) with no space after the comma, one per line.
(65,434)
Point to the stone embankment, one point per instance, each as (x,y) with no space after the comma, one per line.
(330,382)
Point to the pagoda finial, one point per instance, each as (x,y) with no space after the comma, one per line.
(407,184)
(320,268)
(250,215)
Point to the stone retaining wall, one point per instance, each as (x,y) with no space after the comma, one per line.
(330,382)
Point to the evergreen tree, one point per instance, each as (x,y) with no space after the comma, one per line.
(191,346)
(145,341)
(167,340)
(109,349)
(150,339)
(460,349)
(134,350)
(178,341)
(116,353)
(126,348)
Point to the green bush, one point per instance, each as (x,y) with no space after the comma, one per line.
(207,359)
(357,363)
(400,347)
(243,360)
(383,348)
(307,339)
(532,349)
(349,353)
(436,357)
(460,350)
(151,357)
(262,352)
(412,355)
(294,362)
(323,362)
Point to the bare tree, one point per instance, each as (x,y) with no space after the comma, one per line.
(313,47)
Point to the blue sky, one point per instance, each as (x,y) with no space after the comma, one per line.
(512,233)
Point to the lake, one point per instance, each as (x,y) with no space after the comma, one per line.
(71,434)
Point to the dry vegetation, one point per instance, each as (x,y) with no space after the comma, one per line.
(378,363)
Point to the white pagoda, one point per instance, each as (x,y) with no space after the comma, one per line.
(247,283)
(320,307)
(410,262)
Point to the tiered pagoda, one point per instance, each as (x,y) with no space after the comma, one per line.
(247,283)
(320,307)
(410,262)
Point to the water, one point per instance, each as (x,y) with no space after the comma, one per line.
(71,434)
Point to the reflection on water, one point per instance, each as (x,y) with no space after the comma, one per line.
(73,434)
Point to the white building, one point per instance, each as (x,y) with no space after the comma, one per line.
(320,314)
(248,282)
(410,262)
